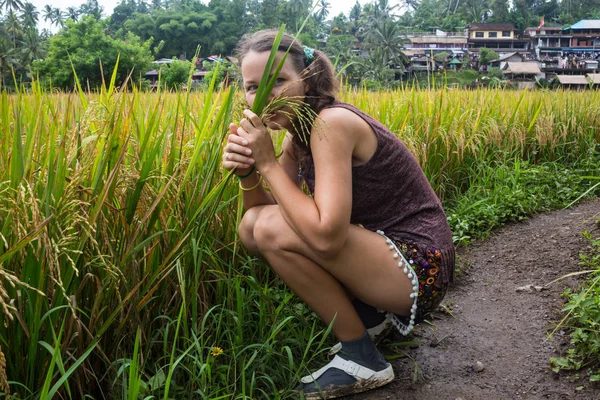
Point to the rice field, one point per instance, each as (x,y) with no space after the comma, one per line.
(120,271)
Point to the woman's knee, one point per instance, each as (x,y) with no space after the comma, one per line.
(246,229)
(269,231)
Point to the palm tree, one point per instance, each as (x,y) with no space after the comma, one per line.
(386,36)
(11,5)
(58,17)
(13,26)
(299,8)
(322,11)
(32,47)
(7,57)
(355,12)
(48,12)
(73,13)
(29,15)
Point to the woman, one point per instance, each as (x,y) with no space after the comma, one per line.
(372,234)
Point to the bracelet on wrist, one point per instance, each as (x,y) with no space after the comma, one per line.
(248,174)
(260,179)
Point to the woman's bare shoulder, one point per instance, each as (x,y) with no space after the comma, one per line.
(340,119)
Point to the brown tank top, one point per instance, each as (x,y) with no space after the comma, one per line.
(391,193)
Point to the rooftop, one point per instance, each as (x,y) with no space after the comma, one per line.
(586,24)
(491,27)
(594,78)
(524,68)
(572,79)
(437,39)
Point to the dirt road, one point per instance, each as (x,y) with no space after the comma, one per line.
(495,344)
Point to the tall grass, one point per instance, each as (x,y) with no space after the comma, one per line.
(120,272)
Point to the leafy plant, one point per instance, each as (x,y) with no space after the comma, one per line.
(583,319)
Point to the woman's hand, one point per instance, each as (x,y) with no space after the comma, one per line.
(236,154)
(258,140)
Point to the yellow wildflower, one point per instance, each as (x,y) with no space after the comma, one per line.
(216,351)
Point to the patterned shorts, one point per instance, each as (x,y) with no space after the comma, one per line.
(427,268)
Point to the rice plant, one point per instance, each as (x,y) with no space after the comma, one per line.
(120,270)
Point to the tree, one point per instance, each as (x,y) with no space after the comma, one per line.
(121,13)
(85,45)
(486,55)
(355,12)
(270,13)
(33,47)
(322,11)
(48,13)
(11,5)
(175,74)
(8,55)
(73,13)
(298,10)
(181,31)
(499,9)
(91,7)
(29,15)
(385,36)
(58,17)
(13,27)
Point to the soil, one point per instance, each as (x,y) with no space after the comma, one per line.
(492,340)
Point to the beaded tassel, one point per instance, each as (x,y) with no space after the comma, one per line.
(407,269)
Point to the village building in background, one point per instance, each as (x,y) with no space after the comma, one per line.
(546,53)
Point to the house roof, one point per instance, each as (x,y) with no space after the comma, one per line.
(572,79)
(163,61)
(491,27)
(436,39)
(594,78)
(410,53)
(507,56)
(586,24)
(523,68)
(544,28)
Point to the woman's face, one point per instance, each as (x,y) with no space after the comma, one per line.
(289,84)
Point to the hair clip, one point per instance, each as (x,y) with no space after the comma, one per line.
(309,55)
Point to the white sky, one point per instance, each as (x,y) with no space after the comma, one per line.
(336,7)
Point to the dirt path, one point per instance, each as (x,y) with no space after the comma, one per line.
(495,324)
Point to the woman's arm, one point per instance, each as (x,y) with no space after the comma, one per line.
(236,156)
(260,196)
(322,221)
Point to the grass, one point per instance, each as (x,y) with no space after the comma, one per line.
(582,319)
(120,270)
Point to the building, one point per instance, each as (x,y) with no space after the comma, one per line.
(506,58)
(579,82)
(585,36)
(582,38)
(500,37)
(572,81)
(424,64)
(546,42)
(454,43)
(524,73)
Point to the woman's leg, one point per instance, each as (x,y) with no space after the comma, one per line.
(365,267)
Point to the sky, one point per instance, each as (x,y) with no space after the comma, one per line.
(336,7)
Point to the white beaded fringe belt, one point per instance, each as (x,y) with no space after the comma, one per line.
(410,273)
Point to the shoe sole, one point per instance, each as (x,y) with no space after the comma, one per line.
(387,375)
